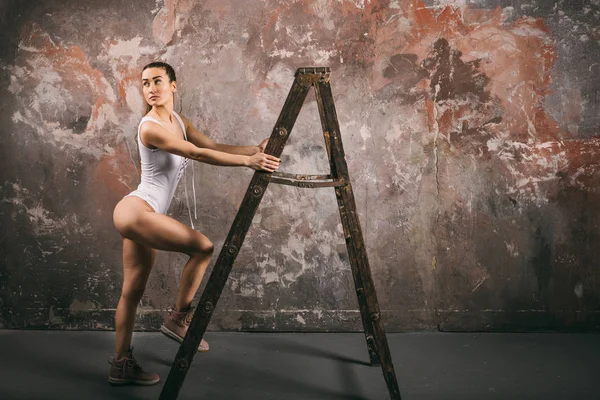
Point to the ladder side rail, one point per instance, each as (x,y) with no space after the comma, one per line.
(365,288)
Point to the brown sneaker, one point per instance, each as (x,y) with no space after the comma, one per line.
(176,325)
(128,372)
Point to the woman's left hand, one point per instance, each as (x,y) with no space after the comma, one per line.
(263,145)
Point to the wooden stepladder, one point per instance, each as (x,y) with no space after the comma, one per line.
(377,345)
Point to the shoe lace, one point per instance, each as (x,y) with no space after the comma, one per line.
(134,365)
(130,362)
(184,316)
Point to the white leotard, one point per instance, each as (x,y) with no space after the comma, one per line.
(161,172)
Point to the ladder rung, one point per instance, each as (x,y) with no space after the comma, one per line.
(305,181)
(313,70)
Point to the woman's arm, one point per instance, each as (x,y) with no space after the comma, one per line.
(201,140)
(155,135)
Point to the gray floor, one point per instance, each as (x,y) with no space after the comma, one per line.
(72,365)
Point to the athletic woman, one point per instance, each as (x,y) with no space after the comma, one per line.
(166,142)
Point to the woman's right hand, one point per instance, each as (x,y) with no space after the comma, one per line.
(263,162)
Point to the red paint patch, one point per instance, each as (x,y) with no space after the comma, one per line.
(112,178)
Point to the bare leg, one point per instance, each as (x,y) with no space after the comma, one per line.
(143,231)
(191,277)
(137,264)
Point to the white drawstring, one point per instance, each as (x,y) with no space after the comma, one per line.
(194,189)
(187,199)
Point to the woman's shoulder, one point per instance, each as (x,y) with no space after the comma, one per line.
(148,123)
(148,117)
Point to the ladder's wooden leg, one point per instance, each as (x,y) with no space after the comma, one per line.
(329,134)
(365,289)
(379,351)
(232,245)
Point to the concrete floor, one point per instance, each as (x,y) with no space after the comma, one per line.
(72,365)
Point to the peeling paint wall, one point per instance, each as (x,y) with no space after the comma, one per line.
(470,131)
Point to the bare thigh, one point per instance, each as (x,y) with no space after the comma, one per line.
(136,220)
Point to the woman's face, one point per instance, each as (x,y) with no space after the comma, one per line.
(156,87)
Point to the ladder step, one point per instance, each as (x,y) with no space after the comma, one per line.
(312,70)
(305,181)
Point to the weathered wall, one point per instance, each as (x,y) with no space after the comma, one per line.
(470,133)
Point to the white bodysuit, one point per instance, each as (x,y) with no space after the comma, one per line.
(161,172)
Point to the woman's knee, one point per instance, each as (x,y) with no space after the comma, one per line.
(210,247)
(203,246)
(132,294)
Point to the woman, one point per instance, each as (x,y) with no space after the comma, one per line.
(166,141)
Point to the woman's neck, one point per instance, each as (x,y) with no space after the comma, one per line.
(164,113)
